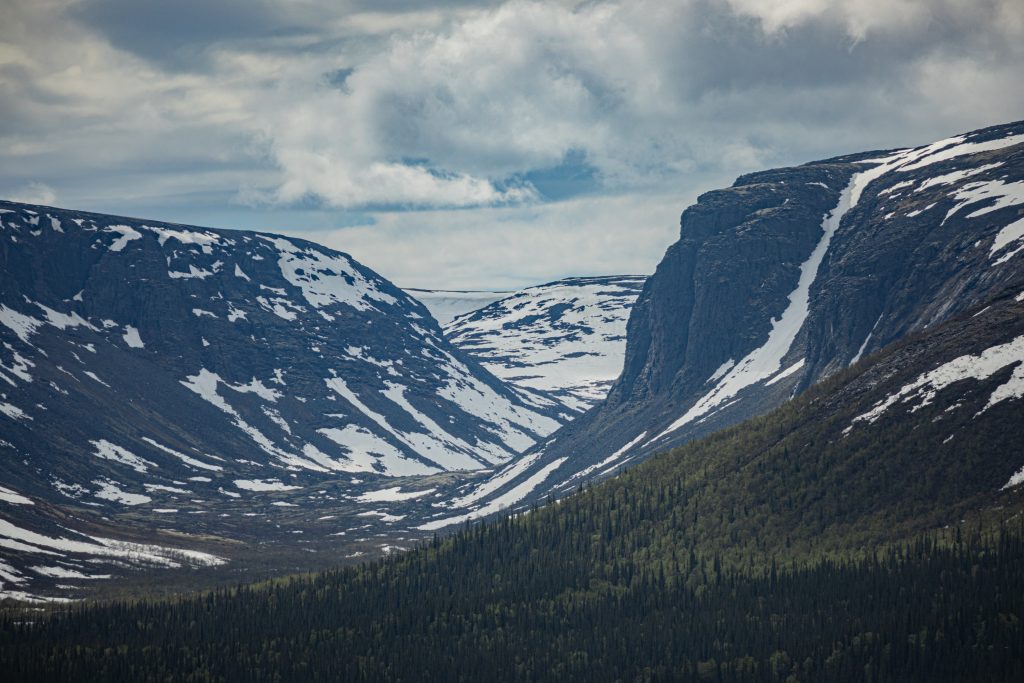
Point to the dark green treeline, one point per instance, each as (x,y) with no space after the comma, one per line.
(514,601)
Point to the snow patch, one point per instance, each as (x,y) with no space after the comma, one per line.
(13,497)
(1010,234)
(786,373)
(393,494)
(110,490)
(367,452)
(720,372)
(15,537)
(263,485)
(203,239)
(13,412)
(955,176)
(65,573)
(324,279)
(193,272)
(922,391)
(110,451)
(22,325)
(131,337)
(998,193)
(187,460)
(1016,480)
(127,234)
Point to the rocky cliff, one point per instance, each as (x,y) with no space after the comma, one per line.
(787,277)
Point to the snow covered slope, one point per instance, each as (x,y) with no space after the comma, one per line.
(447,304)
(164,376)
(563,340)
(934,419)
(786,278)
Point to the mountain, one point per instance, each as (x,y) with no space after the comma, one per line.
(869,529)
(222,392)
(563,341)
(784,279)
(242,404)
(447,304)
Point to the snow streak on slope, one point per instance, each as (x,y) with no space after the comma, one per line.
(922,391)
(502,502)
(604,466)
(764,362)
(563,340)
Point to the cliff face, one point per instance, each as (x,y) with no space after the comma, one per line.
(790,275)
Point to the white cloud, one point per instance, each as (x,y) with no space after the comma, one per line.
(641,90)
(861,18)
(510,247)
(455,105)
(500,93)
(35,193)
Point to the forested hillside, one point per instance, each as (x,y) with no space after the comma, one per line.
(861,532)
(515,601)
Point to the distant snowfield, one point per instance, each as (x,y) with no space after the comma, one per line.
(446,305)
(564,340)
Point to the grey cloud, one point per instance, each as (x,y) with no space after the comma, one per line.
(640,88)
(179,32)
(720,51)
(315,113)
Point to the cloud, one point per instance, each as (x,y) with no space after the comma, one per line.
(309,115)
(863,18)
(641,90)
(515,246)
(174,33)
(34,193)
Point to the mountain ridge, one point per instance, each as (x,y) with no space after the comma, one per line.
(786,277)
(227,385)
(788,547)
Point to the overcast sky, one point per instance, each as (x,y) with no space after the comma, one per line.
(473,144)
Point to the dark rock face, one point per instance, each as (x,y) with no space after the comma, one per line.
(149,372)
(791,275)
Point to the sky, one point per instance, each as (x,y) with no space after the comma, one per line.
(474,144)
